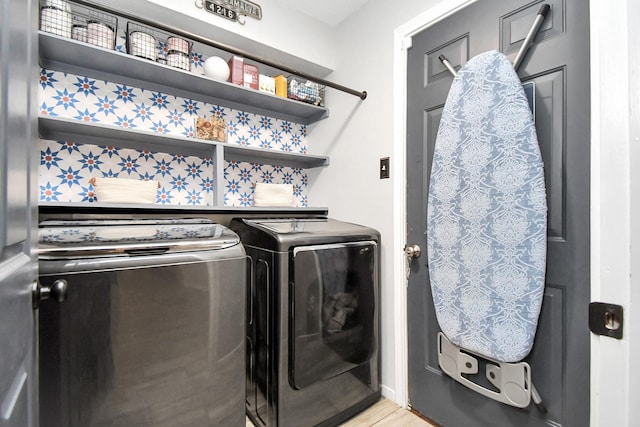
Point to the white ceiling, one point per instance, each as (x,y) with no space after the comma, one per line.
(331,12)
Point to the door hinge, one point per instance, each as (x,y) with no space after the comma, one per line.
(606,319)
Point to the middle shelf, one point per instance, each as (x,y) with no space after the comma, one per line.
(59,128)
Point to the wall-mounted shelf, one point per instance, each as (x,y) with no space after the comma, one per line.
(68,55)
(71,56)
(58,128)
(49,207)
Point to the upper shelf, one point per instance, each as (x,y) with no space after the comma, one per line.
(58,128)
(68,55)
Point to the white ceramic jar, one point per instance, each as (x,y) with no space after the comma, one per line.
(100,34)
(143,45)
(79,32)
(178,44)
(178,60)
(58,4)
(216,68)
(56,18)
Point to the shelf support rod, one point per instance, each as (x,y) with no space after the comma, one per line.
(361,94)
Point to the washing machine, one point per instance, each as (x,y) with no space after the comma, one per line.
(313,320)
(144,324)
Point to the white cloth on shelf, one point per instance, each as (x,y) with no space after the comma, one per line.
(272,195)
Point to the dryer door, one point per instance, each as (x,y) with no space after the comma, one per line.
(333,310)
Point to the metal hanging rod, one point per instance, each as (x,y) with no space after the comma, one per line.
(447,64)
(535,27)
(152,23)
(542,13)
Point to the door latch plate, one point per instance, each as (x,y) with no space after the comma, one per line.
(606,319)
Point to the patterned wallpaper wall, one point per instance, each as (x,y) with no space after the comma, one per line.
(67,166)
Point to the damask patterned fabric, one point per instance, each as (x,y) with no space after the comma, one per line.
(487,214)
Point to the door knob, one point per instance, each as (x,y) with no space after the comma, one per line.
(57,291)
(412,251)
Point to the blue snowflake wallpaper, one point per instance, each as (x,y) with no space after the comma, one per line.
(67,166)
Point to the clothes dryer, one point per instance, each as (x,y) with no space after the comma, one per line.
(313,320)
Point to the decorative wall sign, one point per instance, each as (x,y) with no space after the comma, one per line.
(234,10)
(218,9)
(244,7)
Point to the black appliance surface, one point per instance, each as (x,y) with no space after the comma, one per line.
(313,324)
(152,331)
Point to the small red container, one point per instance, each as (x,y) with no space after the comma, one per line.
(236,70)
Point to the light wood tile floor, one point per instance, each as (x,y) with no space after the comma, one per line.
(384,413)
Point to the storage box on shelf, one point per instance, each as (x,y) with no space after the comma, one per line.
(78,22)
(305,91)
(160,46)
(150,43)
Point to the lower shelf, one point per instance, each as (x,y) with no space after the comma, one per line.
(53,207)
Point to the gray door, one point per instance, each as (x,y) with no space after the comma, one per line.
(558,64)
(18,198)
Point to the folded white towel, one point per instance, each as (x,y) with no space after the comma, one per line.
(273,195)
(124,190)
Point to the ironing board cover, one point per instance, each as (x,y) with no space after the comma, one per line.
(487,214)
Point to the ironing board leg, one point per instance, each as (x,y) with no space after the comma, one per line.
(542,13)
(537,400)
(447,64)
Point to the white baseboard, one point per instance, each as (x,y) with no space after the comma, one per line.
(390,394)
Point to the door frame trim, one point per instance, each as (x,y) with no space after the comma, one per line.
(615,123)
(401,43)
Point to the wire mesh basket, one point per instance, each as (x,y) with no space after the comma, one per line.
(142,41)
(305,91)
(82,23)
(156,45)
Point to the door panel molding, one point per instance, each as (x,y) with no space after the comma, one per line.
(515,25)
(550,87)
(456,51)
(18,211)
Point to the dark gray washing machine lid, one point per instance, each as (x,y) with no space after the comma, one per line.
(281,234)
(308,226)
(291,225)
(94,238)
